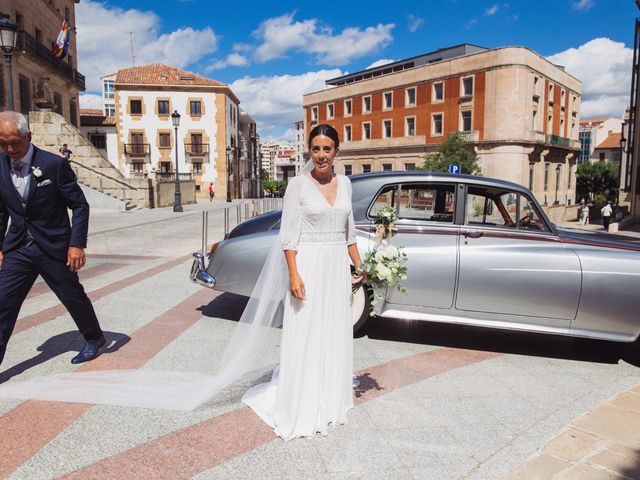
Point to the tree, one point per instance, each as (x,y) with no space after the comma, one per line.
(597,178)
(274,186)
(453,150)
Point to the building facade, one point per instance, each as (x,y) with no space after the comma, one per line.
(248,180)
(301,145)
(271,165)
(208,138)
(608,150)
(592,132)
(39,80)
(518,111)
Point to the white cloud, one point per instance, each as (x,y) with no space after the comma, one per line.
(491,10)
(232,60)
(282,34)
(90,100)
(415,22)
(604,68)
(583,4)
(471,23)
(382,61)
(104,41)
(275,102)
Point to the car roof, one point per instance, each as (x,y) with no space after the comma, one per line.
(435,177)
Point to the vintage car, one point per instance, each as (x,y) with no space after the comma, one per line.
(480,252)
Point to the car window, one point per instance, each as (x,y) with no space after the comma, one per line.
(387,196)
(430,202)
(497,207)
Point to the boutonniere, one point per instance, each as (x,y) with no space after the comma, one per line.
(36,172)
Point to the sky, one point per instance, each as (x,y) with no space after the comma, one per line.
(271,53)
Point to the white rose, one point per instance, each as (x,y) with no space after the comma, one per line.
(383,272)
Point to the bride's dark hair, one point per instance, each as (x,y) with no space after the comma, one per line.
(327,131)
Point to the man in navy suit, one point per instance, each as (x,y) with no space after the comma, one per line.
(36,190)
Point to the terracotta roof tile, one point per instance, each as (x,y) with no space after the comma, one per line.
(91,111)
(160,74)
(612,141)
(93,120)
(594,120)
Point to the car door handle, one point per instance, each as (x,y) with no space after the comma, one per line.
(473,234)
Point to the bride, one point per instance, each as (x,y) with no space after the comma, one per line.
(312,387)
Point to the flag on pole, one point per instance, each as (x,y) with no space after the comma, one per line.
(62,42)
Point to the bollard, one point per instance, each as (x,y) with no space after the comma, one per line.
(226,221)
(238,214)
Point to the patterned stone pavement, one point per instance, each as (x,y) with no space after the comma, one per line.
(435,401)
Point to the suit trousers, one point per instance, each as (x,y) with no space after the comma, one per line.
(19,271)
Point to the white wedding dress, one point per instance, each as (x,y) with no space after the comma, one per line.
(312,387)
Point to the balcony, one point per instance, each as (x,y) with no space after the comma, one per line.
(28,44)
(285,162)
(196,149)
(470,136)
(558,140)
(136,149)
(170,176)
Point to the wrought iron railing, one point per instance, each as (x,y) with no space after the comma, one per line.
(136,149)
(196,148)
(558,140)
(172,176)
(31,46)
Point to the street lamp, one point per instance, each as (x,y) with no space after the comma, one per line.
(229,149)
(177,203)
(557,182)
(8,38)
(532,165)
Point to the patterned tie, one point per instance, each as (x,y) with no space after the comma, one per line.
(17,167)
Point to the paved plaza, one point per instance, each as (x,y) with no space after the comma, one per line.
(434,402)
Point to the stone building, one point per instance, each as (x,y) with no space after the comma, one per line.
(144,99)
(592,132)
(518,111)
(39,79)
(248,180)
(301,145)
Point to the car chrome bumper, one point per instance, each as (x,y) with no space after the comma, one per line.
(199,274)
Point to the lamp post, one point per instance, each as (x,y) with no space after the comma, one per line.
(532,165)
(557,183)
(8,38)
(177,203)
(229,149)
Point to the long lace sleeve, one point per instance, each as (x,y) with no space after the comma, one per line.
(290,222)
(351,227)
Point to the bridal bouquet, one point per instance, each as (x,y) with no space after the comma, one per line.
(384,265)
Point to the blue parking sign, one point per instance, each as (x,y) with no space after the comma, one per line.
(454,168)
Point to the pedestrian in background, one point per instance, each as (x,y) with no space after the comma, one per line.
(212,193)
(585,214)
(65,152)
(606,212)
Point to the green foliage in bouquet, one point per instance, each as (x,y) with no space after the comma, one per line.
(385,267)
(386,215)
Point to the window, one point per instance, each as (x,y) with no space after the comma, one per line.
(57,100)
(534,123)
(436,124)
(314,114)
(551,93)
(195,107)
(366,131)
(536,87)
(38,36)
(497,207)
(163,107)
(347,133)
(602,157)
(197,167)
(330,110)
(546,177)
(348,170)
(196,144)
(24,86)
(438,92)
(73,113)
(137,145)
(366,168)
(410,126)
(99,140)
(386,129)
(135,107)
(109,88)
(410,96)
(409,167)
(165,140)
(569,175)
(431,202)
(137,167)
(387,100)
(465,121)
(348,108)
(386,167)
(366,104)
(467,87)
(388,196)
(549,123)
(109,110)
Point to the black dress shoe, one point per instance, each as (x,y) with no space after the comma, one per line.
(90,351)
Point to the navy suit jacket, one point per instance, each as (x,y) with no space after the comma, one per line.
(46,214)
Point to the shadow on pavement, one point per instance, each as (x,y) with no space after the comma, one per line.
(503,341)
(57,345)
(227,306)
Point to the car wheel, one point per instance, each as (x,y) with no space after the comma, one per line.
(360,308)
